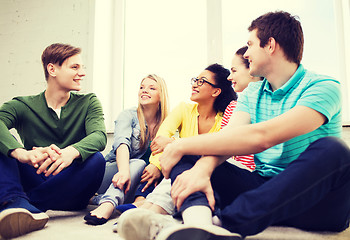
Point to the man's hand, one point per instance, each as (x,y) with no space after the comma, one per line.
(159,143)
(170,157)
(64,159)
(191,181)
(52,151)
(32,157)
(121,180)
(151,175)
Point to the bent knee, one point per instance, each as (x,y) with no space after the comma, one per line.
(334,144)
(137,163)
(96,161)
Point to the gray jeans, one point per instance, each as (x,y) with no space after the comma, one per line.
(108,193)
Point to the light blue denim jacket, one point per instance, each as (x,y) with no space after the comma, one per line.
(127,131)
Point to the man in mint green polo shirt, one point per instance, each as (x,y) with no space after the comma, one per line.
(59,165)
(291,122)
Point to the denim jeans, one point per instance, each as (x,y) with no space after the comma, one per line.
(71,189)
(115,195)
(312,193)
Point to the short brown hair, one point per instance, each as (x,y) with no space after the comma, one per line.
(57,53)
(285,29)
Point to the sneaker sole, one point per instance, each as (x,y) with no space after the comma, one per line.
(141,224)
(196,233)
(15,222)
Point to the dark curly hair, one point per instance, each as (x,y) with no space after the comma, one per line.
(227,93)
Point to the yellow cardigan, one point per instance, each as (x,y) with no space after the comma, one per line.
(184,118)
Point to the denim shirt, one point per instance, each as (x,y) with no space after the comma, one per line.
(127,131)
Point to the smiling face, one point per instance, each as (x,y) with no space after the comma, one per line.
(69,74)
(239,76)
(149,92)
(257,56)
(205,91)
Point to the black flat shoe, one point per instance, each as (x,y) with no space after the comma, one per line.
(93,220)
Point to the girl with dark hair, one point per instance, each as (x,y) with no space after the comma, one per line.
(227,92)
(240,78)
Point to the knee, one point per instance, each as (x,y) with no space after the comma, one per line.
(136,167)
(334,145)
(186,163)
(138,163)
(334,151)
(96,162)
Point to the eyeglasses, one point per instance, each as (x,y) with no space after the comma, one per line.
(201,81)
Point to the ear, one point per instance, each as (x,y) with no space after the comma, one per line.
(216,92)
(272,44)
(51,69)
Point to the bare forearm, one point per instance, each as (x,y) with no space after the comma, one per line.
(16,152)
(122,159)
(253,138)
(73,152)
(228,142)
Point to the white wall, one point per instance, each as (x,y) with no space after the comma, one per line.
(123,40)
(27,27)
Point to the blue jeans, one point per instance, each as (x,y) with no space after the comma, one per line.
(71,189)
(116,195)
(312,193)
(144,194)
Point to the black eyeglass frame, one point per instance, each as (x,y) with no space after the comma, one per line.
(201,81)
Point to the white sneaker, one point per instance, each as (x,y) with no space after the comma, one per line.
(188,232)
(142,224)
(15,222)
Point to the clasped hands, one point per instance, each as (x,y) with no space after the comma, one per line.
(48,160)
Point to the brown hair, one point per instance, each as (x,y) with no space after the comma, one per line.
(57,53)
(285,29)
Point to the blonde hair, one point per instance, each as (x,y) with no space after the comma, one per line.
(162,112)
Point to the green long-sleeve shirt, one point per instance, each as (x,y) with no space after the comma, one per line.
(81,124)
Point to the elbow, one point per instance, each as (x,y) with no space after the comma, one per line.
(102,141)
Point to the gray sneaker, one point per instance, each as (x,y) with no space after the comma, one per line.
(142,224)
(186,232)
(15,222)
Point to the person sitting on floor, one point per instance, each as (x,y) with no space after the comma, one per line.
(126,168)
(59,166)
(240,78)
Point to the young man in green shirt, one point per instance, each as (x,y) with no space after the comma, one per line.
(59,166)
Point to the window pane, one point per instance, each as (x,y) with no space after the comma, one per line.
(316,17)
(167,38)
